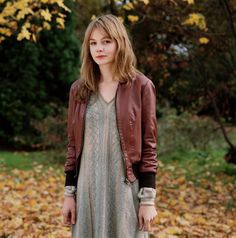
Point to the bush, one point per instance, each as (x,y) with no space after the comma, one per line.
(185,132)
(52,130)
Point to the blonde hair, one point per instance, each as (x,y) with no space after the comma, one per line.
(124,67)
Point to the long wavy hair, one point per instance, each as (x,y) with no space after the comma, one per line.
(124,66)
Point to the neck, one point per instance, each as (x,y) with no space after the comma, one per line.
(106,74)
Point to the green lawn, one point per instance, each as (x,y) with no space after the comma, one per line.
(25,160)
(198,164)
(194,164)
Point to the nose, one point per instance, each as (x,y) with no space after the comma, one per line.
(100,48)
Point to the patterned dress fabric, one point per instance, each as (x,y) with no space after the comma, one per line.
(106,207)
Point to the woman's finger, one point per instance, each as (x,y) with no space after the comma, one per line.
(140,218)
(147,226)
(73,216)
(68,218)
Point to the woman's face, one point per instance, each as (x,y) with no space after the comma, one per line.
(102,48)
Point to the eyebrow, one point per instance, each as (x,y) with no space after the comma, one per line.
(102,38)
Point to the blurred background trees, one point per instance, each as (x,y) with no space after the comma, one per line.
(35,73)
(186,47)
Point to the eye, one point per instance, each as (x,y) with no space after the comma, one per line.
(92,43)
(107,41)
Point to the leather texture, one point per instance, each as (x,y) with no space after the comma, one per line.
(137,126)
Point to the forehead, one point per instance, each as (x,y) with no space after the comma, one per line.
(98,34)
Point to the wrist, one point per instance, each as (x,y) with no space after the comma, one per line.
(146,205)
(69,197)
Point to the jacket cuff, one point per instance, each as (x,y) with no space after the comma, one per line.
(70,179)
(147,179)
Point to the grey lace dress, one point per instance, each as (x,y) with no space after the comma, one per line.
(106,207)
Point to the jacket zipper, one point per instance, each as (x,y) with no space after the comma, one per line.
(126,179)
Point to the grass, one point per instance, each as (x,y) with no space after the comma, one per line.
(25,160)
(197,165)
(194,164)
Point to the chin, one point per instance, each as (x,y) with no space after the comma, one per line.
(103,63)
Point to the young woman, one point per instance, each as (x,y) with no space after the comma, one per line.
(111,158)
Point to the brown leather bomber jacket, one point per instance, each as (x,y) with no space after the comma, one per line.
(137,126)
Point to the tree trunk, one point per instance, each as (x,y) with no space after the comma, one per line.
(230,157)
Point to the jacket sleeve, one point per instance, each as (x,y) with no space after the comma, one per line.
(149,163)
(70,163)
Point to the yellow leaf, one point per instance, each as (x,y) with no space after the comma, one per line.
(165,213)
(189,1)
(144,1)
(203,40)
(200,220)
(16,222)
(60,14)
(128,6)
(9,10)
(46,25)
(188,216)
(34,38)
(60,21)
(93,17)
(196,19)
(161,234)
(174,230)
(182,221)
(133,18)
(121,19)
(62,5)
(46,15)
(27,25)
(2,20)
(181,180)
(13,25)
(23,34)
(5,31)
(20,4)
(38,29)
(21,14)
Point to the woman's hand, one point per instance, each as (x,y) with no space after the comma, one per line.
(68,211)
(146,215)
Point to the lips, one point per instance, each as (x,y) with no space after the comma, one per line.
(100,56)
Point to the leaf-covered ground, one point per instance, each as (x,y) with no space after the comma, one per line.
(31,204)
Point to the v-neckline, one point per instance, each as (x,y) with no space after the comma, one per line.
(100,95)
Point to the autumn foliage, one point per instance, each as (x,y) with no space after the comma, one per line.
(27,18)
(31,203)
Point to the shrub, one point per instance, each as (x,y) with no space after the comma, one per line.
(185,131)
